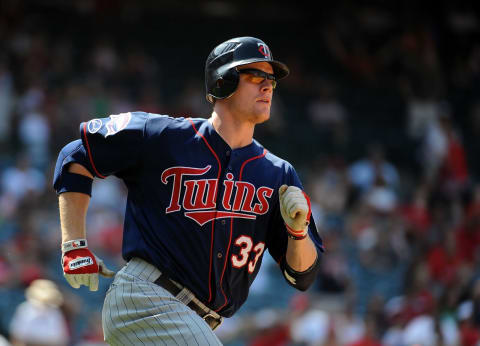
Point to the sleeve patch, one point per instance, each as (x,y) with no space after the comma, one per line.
(117,123)
(94,125)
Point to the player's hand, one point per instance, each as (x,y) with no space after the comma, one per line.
(295,210)
(81,266)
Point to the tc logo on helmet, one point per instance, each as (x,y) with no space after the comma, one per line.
(262,48)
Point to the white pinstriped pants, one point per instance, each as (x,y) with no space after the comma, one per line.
(137,311)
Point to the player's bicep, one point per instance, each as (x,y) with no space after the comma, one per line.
(66,180)
(79,169)
(114,144)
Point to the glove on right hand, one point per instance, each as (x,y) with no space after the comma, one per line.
(81,266)
(295,210)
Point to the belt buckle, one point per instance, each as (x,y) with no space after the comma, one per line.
(213,322)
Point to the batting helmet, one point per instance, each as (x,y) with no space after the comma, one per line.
(221,75)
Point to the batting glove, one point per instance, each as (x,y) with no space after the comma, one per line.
(295,209)
(81,266)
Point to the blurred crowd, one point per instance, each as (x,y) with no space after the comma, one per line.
(380,116)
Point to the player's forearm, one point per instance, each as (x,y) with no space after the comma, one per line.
(73,211)
(73,208)
(301,254)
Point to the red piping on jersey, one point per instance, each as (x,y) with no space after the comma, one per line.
(225,266)
(251,159)
(213,223)
(89,152)
(231,228)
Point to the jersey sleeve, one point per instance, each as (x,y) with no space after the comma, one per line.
(115,144)
(277,239)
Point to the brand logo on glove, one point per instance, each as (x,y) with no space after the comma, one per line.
(77,243)
(80,262)
(240,199)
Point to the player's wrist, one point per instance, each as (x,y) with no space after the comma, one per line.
(297,234)
(293,237)
(74,244)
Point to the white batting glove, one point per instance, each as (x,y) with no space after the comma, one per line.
(81,266)
(295,210)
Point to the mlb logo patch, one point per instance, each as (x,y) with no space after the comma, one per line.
(117,123)
(94,125)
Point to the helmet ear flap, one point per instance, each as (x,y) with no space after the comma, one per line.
(226,84)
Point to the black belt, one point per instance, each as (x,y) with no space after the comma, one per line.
(203,312)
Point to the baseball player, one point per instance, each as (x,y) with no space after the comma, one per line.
(205,201)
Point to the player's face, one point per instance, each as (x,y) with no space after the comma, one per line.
(253,98)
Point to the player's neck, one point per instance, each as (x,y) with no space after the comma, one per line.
(236,133)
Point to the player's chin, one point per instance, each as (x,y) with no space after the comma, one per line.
(262,114)
(262,117)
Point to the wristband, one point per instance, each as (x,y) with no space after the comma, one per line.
(74,245)
(294,237)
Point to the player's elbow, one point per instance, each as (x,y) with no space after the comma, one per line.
(303,282)
(300,280)
(304,285)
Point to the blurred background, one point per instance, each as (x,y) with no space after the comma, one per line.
(380,116)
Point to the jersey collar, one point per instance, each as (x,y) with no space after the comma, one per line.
(221,147)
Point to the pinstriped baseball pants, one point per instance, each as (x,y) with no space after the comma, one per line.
(136,311)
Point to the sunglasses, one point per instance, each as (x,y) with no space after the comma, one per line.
(258,76)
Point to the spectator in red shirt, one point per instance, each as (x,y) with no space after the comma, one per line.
(444,259)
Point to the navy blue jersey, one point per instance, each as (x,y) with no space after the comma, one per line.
(201,212)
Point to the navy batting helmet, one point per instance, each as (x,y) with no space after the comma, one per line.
(221,75)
